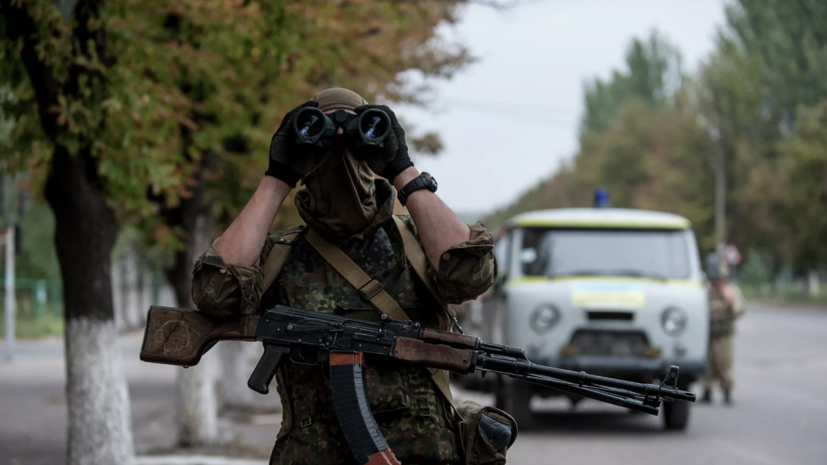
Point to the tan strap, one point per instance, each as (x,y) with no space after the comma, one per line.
(440,378)
(419,262)
(417,257)
(373,291)
(278,257)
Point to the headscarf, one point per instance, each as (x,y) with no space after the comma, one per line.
(342,199)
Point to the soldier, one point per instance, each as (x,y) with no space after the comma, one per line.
(726,304)
(347,206)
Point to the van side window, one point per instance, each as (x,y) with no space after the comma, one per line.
(502,252)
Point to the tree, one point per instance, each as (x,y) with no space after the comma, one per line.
(59,72)
(771,60)
(653,73)
(801,199)
(180,122)
(653,158)
(789,40)
(236,69)
(728,92)
(639,138)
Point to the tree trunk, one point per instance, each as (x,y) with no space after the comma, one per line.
(775,273)
(85,231)
(238,359)
(198,407)
(813,284)
(96,391)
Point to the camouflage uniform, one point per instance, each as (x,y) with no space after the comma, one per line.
(722,316)
(413,416)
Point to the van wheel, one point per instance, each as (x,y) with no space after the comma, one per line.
(515,398)
(676,414)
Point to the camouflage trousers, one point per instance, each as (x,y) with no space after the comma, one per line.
(720,363)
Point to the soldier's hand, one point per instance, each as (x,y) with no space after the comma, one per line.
(290,160)
(391,159)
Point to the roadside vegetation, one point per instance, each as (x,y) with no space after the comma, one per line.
(652,131)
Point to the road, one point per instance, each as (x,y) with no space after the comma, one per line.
(779,415)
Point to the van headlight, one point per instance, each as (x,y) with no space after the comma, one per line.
(674,321)
(545,318)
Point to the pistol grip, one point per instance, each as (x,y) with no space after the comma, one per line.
(266,367)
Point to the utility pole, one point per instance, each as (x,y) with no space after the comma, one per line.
(720,201)
(10,220)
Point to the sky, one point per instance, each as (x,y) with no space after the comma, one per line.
(511,118)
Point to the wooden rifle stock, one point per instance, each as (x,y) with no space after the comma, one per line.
(179,336)
(433,355)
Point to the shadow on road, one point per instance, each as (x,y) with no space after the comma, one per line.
(606,423)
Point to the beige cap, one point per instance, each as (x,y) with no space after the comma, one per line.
(338,97)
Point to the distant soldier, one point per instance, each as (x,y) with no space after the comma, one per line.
(726,304)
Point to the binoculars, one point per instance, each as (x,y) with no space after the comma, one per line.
(313,126)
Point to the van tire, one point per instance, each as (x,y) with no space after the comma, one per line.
(676,413)
(515,398)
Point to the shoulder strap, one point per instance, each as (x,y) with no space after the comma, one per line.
(373,291)
(278,256)
(419,263)
(417,257)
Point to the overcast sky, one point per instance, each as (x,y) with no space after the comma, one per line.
(512,117)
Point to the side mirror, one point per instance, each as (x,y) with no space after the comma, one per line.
(713,267)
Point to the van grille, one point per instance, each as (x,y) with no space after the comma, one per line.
(610,316)
(610,343)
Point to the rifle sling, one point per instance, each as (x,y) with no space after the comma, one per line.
(419,263)
(372,291)
(278,257)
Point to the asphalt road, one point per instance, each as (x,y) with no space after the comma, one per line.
(779,415)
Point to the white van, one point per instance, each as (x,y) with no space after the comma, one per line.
(609,291)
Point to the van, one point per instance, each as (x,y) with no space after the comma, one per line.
(613,292)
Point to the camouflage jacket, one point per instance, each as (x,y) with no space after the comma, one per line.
(413,417)
(723,311)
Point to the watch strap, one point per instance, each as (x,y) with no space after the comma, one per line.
(423,181)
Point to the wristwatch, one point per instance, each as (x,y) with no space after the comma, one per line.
(423,181)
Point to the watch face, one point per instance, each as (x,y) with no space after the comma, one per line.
(432,184)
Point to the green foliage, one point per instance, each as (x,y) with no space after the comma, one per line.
(653,73)
(38,259)
(641,140)
(784,294)
(754,271)
(653,158)
(188,93)
(787,37)
(777,57)
(759,101)
(27,327)
(803,197)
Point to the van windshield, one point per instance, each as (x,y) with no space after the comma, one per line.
(662,254)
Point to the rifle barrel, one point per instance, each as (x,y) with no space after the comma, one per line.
(524,369)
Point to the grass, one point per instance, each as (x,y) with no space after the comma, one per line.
(27,327)
(787,294)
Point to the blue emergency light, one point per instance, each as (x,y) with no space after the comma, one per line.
(601,198)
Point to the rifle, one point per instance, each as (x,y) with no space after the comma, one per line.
(180,337)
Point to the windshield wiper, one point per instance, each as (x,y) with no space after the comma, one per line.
(612,272)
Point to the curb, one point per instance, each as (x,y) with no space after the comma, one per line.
(195,460)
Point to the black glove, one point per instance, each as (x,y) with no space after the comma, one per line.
(391,159)
(290,160)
